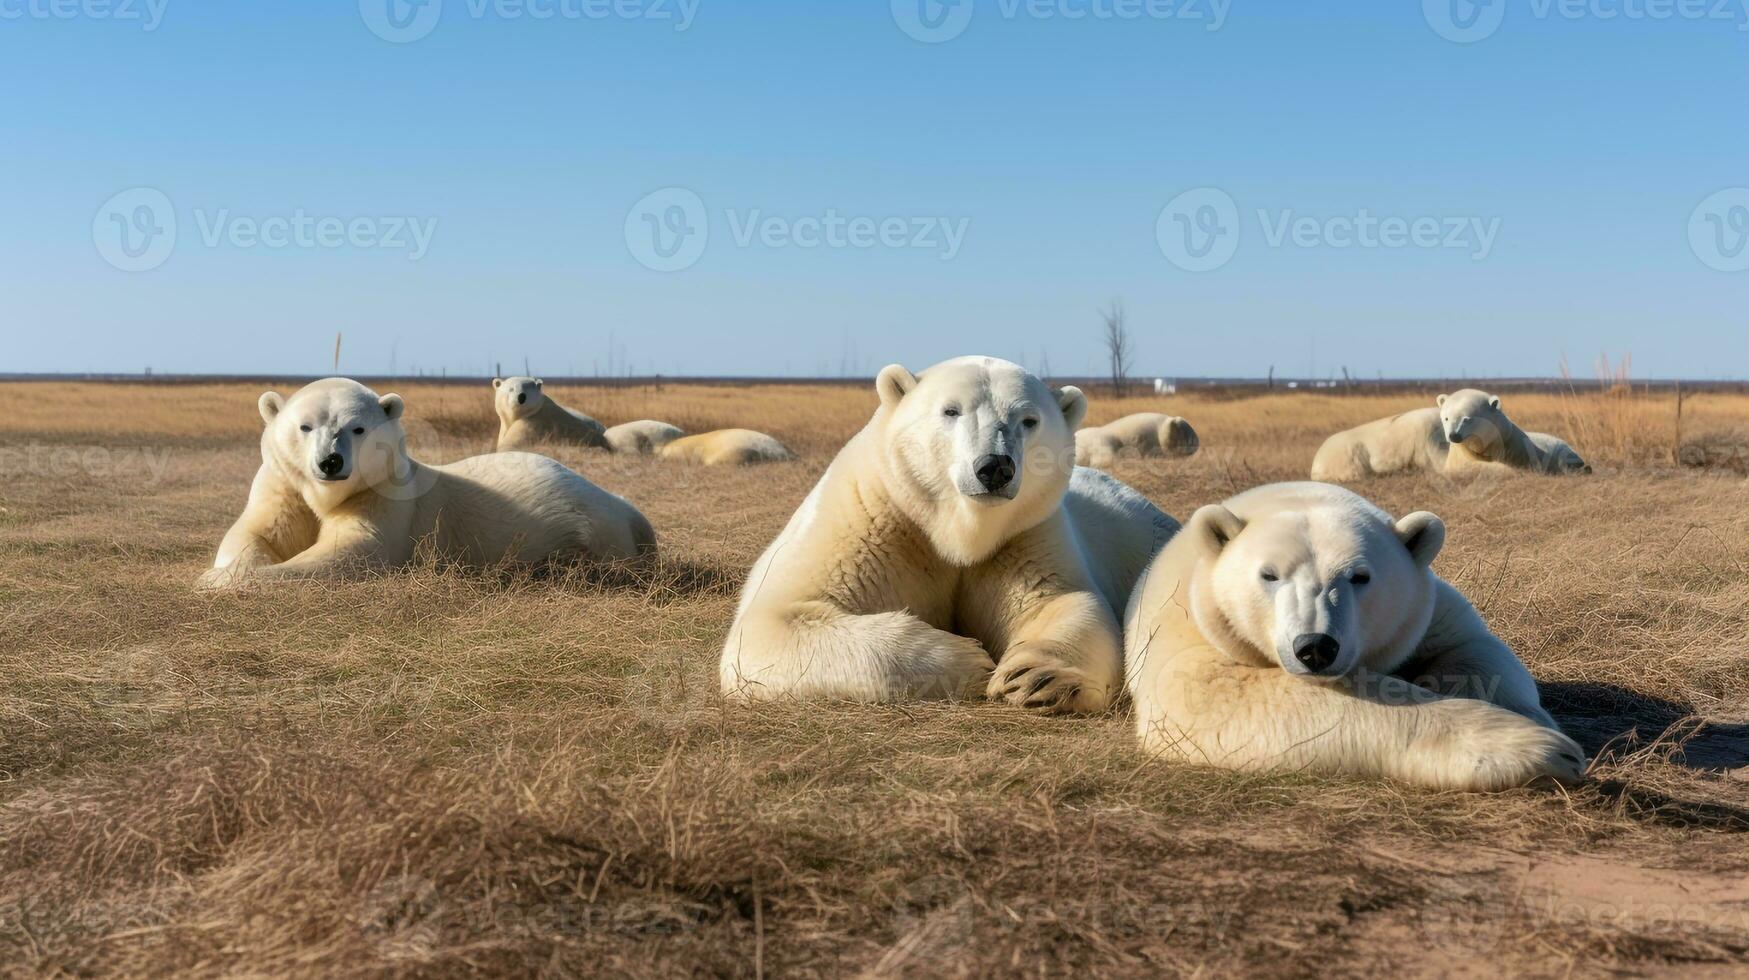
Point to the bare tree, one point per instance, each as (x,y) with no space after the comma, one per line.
(1119,349)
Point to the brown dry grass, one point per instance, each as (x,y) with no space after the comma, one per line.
(436,773)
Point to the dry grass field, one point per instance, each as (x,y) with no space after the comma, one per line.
(438,773)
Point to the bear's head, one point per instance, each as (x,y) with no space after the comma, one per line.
(334,438)
(1473,419)
(975,450)
(1312,578)
(518,398)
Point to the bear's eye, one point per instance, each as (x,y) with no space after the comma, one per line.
(1270,576)
(303,428)
(359,431)
(952,413)
(1360,578)
(1029,423)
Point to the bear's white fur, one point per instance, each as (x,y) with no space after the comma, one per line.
(727,447)
(1143,434)
(1298,627)
(1483,439)
(951,547)
(1409,441)
(337,495)
(1466,434)
(642,437)
(527,418)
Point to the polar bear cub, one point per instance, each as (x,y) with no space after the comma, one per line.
(337,495)
(1483,438)
(951,547)
(527,418)
(1297,626)
(1143,433)
(642,437)
(728,447)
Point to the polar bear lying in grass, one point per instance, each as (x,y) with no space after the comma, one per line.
(337,495)
(528,418)
(951,548)
(1297,626)
(1466,433)
(1142,434)
(727,447)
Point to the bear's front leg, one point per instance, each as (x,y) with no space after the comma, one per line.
(1054,653)
(1461,657)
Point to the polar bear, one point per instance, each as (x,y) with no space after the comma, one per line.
(337,495)
(728,447)
(1144,434)
(642,437)
(527,418)
(1297,626)
(951,547)
(1482,438)
(1410,441)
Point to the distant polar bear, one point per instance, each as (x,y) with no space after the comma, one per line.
(1409,441)
(1482,438)
(952,535)
(642,437)
(527,418)
(1299,627)
(1467,433)
(728,447)
(337,495)
(1144,434)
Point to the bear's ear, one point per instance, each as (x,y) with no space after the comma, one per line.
(894,383)
(1213,527)
(392,406)
(1074,405)
(497,382)
(269,405)
(1423,534)
(1440,401)
(1494,401)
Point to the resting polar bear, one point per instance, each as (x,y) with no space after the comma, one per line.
(1299,627)
(1144,433)
(1409,441)
(728,447)
(1467,433)
(952,531)
(1482,438)
(642,437)
(337,494)
(527,417)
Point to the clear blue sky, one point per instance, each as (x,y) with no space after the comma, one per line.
(1586,142)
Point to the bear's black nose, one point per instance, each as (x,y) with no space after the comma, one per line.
(522,399)
(331,464)
(995,472)
(1316,650)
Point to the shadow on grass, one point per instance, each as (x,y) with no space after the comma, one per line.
(1608,717)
